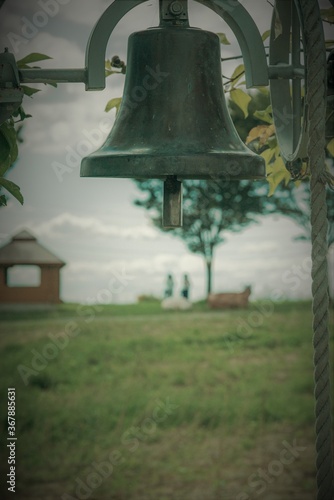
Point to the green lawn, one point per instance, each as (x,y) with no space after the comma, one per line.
(135,403)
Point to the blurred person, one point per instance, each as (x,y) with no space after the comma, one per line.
(169,286)
(185,287)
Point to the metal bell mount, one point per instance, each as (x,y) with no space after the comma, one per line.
(173,123)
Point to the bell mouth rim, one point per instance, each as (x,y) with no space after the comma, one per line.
(227,165)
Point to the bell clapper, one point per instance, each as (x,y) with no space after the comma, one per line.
(172,202)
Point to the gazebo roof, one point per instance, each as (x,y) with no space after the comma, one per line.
(25,249)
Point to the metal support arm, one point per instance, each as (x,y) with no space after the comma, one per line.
(93,75)
(37,75)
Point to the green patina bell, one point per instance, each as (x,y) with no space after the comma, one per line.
(173,123)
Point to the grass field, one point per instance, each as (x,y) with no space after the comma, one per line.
(135,403)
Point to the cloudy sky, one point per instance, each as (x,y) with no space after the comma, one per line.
(92,224)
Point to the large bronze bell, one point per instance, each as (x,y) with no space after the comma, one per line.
(173,123)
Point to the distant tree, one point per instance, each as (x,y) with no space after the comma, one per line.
(294,202)
(211,209)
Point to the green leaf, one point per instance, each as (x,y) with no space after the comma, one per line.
(263,90)
(330,147)
(272,142)
(53,84)
(29,91)
(241,99)
(268,155)
(12,188)
(223,39)
(108,73)
(31,58)
(8,147)
(265,115)
(261,133)
(21,113)
(4,147)
(3,200)
(265,35)
(113,103)
(276,174)
(237,74)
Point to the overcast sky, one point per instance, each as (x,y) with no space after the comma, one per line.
(92,224)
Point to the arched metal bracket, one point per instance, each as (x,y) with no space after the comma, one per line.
(97,42)
(93,75)
(248,36)
(236,16)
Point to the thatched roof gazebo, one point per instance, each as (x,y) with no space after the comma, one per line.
(25,250)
